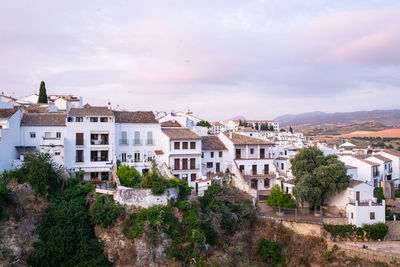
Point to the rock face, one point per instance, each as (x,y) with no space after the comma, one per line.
(17,232)
(143,198)
(123,252)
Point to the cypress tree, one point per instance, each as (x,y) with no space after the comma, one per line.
(42,93)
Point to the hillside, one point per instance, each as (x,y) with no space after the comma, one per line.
(326,120)
(387,133)
(340,130)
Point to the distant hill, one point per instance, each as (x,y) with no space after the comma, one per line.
(318,119)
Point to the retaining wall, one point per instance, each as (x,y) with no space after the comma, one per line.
(143,198)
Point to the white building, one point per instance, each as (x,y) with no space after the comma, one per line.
(10,119)
(368,171)
(89,145)
(253,158)
(185,119)
(137,136)
(43,132)
(394,156)
(214,158)
(65,102)
(359,204)
(182,153)
(217,127)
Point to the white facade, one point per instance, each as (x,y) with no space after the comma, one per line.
(136,143)
(9,138)
(89,145)
(367,171)
(365,213)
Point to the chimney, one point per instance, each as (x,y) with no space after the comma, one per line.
(109,105)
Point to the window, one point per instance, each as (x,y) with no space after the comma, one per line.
(32,134)
(220,154)
(176,145)
(123,158)
(202,155)
(47,135)
(176,164)
(252,151)
(192,145)
(94,119)
(184,164)
(137,156)
(209,165)
(137,138)
(266,183)
(124,138)
(372,215)
(79,119)
(149,138)
(58,135)
(352,215)
(282,166)
(79,139)
(192,164)
(104,176)
(57,153)
(184,145)
(94,175)
(193,177)
(212,154)
(79,156)
(103,119)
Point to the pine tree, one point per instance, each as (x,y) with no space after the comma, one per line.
(291,129)
(42,93)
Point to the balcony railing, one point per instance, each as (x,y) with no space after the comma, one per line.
(98,142)
(180,168)
(375,174)
(123,141)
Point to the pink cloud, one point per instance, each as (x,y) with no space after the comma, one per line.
(365,37)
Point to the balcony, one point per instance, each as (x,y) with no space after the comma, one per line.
(52,141)
(187,168)
(98,142)
(123,141)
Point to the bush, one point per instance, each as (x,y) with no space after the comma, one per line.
(375,231)
(66,235)
(128,176)
(105,211)
(279,198)
(4,196)
(378,193)
(397,193)
(371,231)
(270,251)
(39,171)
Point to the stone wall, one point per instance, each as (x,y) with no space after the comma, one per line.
(394,230)
(309,229)
(143,198)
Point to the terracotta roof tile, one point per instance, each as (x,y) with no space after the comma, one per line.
(134,117)
(180,133)
(239,139)
(88,110)
(170,124)
(43,119)
(211,143)
(6,113)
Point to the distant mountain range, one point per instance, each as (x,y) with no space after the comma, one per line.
(318,119)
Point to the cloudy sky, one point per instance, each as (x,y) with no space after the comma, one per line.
(220,58)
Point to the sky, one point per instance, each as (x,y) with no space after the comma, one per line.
(219,59)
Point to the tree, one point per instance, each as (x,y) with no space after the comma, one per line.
(105,211)
(279,198)
(4,195)
(270,251)
(317,176)
(291,129)
(256,126)
(203,123)
(42,93)
(128,176)
(40,171)
(378,193)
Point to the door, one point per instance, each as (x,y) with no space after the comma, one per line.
(217,167)
(262,153)
(254,169)
(238,153)
(266,168)
(184,164)
(358,196)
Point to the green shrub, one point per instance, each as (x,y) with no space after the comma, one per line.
(397,193)
(159,186)
(39,170)
(378,193)
(4,196)
(105,211)
(279,198)
(375,231)
(328,255)
(66,235)
(371,231)
(128,176)
(270,251)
